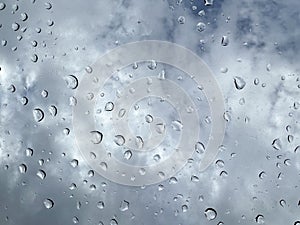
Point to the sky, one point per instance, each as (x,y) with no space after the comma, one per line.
(255,176)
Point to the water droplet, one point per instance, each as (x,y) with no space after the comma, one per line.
(297,223)
(48,203)
(173,180)
(142,171)
(152,65)
(34,58)
(24,16)
(239,83)
(74,163)
(199,147)
(103,166)
(109,106)
(220,163)
(53,110)
(259,219)
(160,128)
(162,75)
(195,178)
(282,203)
(297,149)
(156,157)
(38,115)
(44,93)
(119,140)
(268,67)
(225,41)
(127,154)
(208,2)
(71,81)
(124,206)
(96,137)
(48,5)
(210,214)
(100,205)
(256,81)
(184,208)
(89,69)
(262,175)
(28,152)
(75,220)
(224,70)
(201,26)
(177,125)
(121,113)
(41,174)
(15,26)
(50,23)
(73,186)
(148,118)
(2,5)
(139,142)
(113,222)
(181,20)
(22,168)
(276,144)
(24,101)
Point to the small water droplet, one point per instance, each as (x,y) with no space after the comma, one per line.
(181,20)
(75,220)
(152,65)
(127,154)
(15,26)
(38,114)
(239,83)
(225,41)
(121,113)
(29,152)
(24,16)
(268,67)
(22,168)
(148,118)
(276,144)
(48,203)
(100,205)
(74,163)
(199,147)
(109,106)
(103,166)
(53,110)
(2,5)
(259,219)
(34,58)
(210,213)
(124,206)
(119,140)
(71,81)
(201,26)
(48,5)
(139,142)
(41,174)
(96,137)
(282,203)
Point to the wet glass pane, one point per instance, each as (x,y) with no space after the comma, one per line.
(149,112)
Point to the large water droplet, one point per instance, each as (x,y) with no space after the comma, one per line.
(259,219)
(38,114)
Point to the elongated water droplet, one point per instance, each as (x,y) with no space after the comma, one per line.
(22,168)
(41,174)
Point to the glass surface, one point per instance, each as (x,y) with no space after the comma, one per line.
(252,50)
